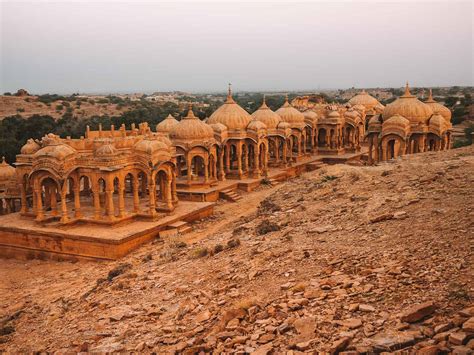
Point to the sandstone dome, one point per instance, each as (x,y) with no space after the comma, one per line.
(267,116)
(106,150)
(191,128)
(310,115)
(397,120)
(437,107)
(231,115)
(291,115)
(7,172)
(375,124)
(409,107)
(256,125)
(438,123)
(150,146)
(364,99)
(58,151)
(30,147)
(218,127)
(167,124)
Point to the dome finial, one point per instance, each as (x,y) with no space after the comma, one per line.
(407,90)
(229,94)
(264,102)
(190,113)
(4,162)
(430,97)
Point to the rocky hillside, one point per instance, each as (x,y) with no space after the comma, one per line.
(360,259)
(27,106)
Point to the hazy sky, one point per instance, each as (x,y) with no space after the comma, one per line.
(67,47)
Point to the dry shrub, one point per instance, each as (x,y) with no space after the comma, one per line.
(233,243)
(200,252)
(266,226)
(218,248)
(118,270)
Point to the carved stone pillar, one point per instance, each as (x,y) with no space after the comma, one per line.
(227,159)
(136,199)
(189,170)
(39,204)
(64,216)
(256,168)
(53,200)
(24,202)
(239,160)
(174,190)
(121,199)
(77,200)
(168,194)
(152,197)
(221,165)
(96,197)
(109,196)
(206,170)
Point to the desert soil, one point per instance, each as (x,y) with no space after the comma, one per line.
(346,258)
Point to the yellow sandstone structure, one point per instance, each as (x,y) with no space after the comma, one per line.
(408,126)
(113,177)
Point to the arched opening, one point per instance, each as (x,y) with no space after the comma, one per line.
(212,171)
(129,195)
(322,137)
(142,184)
(47,199)
(391,149)
(295,144)
(197,167)
(309,138)
(115,197)
(245,158)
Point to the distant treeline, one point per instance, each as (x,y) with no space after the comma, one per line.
(16,130)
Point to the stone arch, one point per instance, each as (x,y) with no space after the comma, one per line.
(322,137)
(393,146)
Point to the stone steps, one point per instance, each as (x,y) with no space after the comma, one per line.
(230,195)
(181,227)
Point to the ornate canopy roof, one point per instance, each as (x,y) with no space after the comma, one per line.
(191,128)
(409,107)
(291,115)
(231,115)
(436,106)
(167,124)
(7,172)
(364,99)
(267,116)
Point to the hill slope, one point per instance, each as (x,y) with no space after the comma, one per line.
(327,261)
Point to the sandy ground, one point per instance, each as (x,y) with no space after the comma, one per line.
(366,259)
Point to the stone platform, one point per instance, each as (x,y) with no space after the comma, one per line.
(307,163)
(22,238)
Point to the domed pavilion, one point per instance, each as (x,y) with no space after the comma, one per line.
(296,120)
(9,191)
(105,177)
(408,126)
(243,140)
(278,134)
(196,151)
